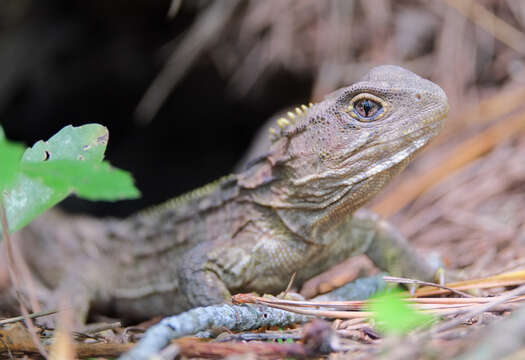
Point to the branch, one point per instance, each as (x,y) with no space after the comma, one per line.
(232,317)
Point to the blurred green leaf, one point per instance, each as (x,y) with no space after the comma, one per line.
(91,180)
(52,169)
(2,135)
(393,315)
(87,142)
(10,155)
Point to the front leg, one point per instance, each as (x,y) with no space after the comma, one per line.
(200,285)
(365,232)
(390,251)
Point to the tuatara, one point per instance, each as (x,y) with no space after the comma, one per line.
(292,210)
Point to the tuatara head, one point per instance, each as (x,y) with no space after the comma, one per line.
(329,159)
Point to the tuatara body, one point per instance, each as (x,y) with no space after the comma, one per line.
(294,209)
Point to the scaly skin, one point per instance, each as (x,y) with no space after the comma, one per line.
(293,210)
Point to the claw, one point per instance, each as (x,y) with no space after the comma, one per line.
(440,276)
(412,289)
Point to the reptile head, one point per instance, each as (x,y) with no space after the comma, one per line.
(343,150)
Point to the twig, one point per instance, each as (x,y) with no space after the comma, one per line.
(442,309)
(14,280)
(232,317)
(512,278)
(62,346)
(95,328)
(353,309)
(198,349)
(318,339)
(15,338)
(290,283)
(7,348)
(30,316)
(335,314)
(399,280)
(265,336)
(459,301)
(480,309)
(500,340)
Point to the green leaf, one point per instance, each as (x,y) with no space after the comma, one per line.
(394,315)
(10,155)
(87,142)
(88,179)
(28,197)
(2,135)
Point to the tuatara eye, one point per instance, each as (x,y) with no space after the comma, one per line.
(367,107)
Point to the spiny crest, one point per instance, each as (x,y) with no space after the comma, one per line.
(284,123)
(186,197)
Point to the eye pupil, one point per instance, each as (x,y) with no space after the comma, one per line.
(366,108)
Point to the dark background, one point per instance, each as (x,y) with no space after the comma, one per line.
(76,61)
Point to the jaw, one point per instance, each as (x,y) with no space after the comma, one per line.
(309,222)
(367,157)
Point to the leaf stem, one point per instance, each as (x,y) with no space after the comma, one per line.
(11,266)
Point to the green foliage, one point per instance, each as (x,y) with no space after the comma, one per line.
(10,155)
(87,142)
(69,162)
(393,315)
(91,180)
